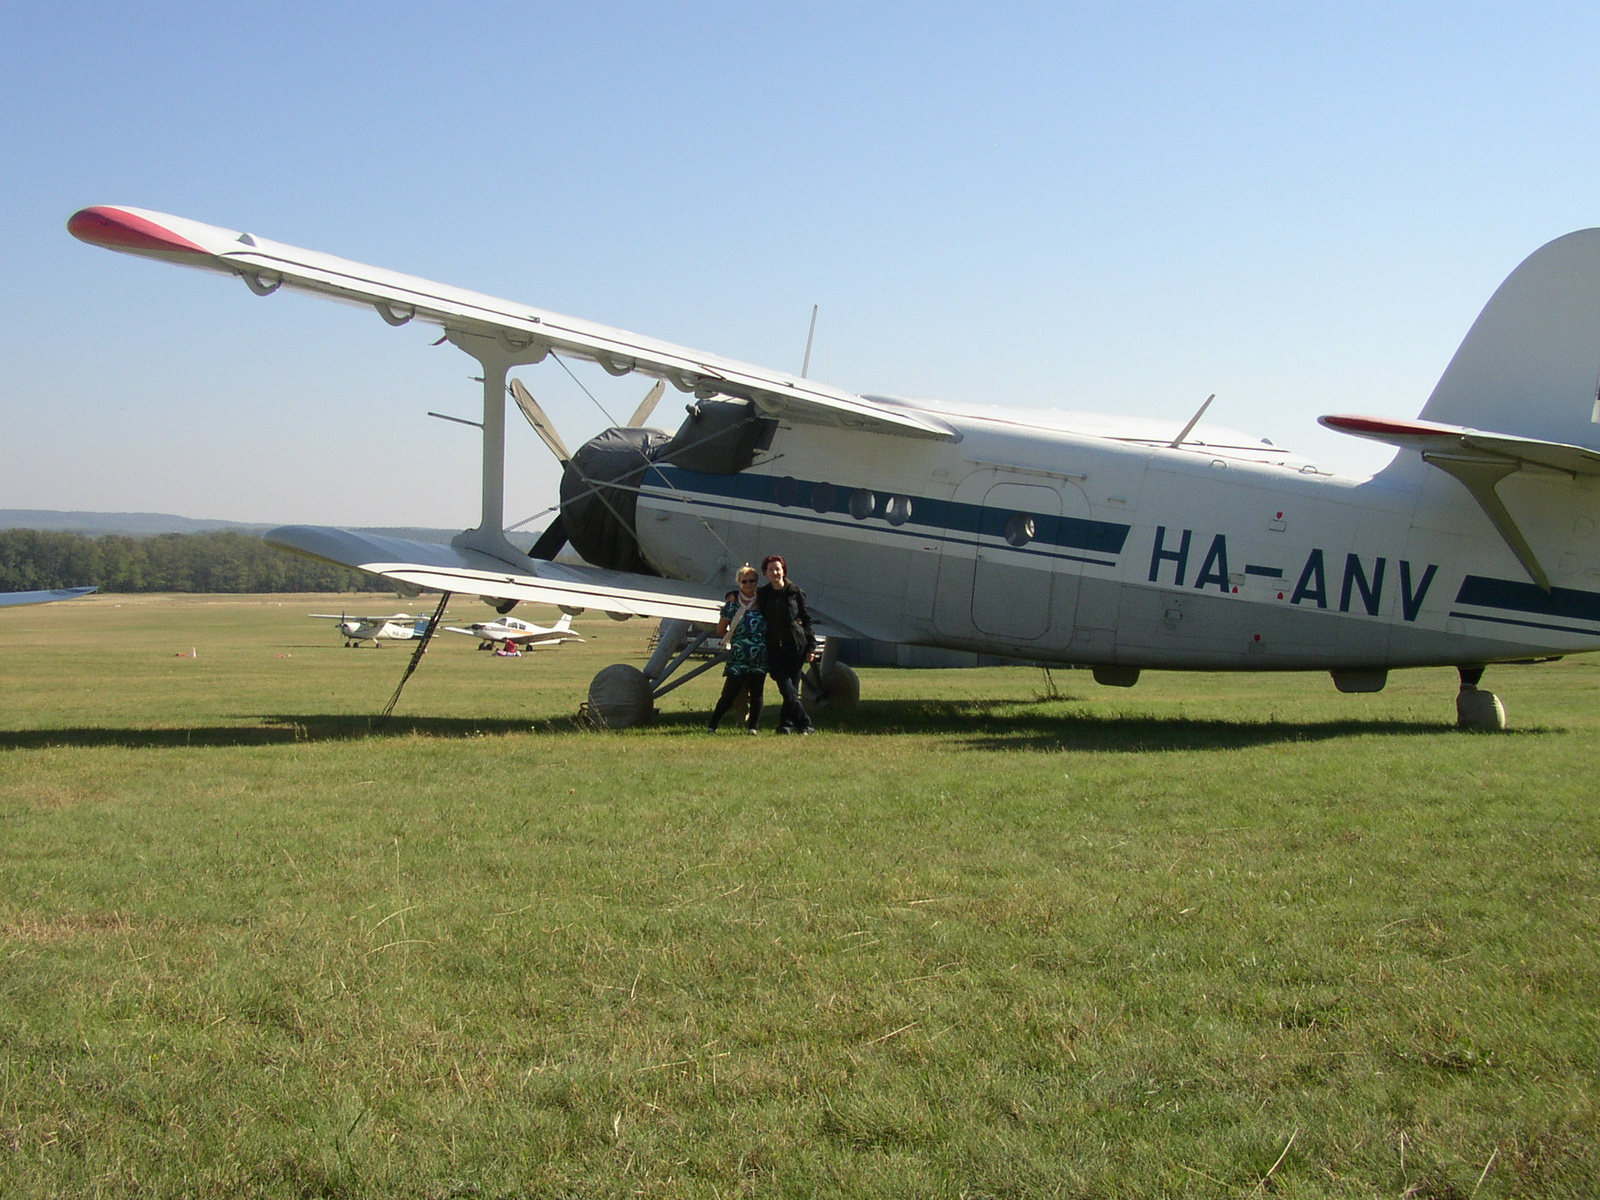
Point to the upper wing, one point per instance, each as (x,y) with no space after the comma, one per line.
(47,596)
(359,619)
(454,569)
(266,265)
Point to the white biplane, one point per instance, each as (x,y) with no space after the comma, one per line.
(509,631)
(1118,544)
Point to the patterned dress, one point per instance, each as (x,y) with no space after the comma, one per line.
(749,641)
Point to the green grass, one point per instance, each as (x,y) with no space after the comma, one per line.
(1214,936)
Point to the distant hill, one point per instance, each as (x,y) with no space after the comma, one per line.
(127,524)
(93,524)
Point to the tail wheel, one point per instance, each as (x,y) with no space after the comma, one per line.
(1479,710)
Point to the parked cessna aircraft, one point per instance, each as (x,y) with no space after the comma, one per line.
(401,627)
(1048,536)
(509,630)
(46,596)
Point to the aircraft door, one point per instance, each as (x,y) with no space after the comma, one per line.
(1014,581)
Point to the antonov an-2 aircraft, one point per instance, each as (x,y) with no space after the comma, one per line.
(1052,537)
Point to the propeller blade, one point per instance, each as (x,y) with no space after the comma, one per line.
(551,541)
(541,423)
(647,405)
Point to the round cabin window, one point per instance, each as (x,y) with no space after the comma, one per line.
(1020,529)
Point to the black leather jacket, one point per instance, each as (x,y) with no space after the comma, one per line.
(788,621)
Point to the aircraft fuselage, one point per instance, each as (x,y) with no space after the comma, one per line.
(1049,546)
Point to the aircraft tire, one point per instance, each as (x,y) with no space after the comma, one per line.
(619,698)
(841,690)
(1479,710)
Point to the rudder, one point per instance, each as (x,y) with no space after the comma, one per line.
(1530,364)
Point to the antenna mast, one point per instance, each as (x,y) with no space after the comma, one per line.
(806,365)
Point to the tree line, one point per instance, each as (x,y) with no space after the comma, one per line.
(219,561)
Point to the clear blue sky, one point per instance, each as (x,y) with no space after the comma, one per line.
(1107,206)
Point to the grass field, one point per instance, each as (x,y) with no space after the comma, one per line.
(1214,936)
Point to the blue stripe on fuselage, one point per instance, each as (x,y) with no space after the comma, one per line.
(801,497)
(1509,595)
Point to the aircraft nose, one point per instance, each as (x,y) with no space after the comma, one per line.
(117,229)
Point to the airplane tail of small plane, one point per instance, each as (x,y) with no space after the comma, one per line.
(563,625)
(1530,365)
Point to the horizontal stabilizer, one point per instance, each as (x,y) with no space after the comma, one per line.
(266,266)
(1431,436)
(1479,461)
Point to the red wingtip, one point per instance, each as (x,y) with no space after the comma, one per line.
(116,229)
(1385,426)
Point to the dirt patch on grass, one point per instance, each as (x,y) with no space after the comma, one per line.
(46,931)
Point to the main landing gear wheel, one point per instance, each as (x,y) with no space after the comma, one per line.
(1477,709)
(839,688)
(620,697)
(829,683)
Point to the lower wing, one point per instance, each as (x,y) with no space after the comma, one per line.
(443,568)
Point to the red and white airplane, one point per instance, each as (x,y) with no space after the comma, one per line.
(1052,537)
(513,632)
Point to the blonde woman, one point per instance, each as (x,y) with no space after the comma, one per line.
(744,631)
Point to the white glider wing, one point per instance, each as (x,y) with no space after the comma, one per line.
(47,596)
(442,568)
(266,265)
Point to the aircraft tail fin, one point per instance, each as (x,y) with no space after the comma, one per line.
(562,625)
(1530,364)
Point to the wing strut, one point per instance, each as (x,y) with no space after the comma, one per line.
(1479,474)
(496,355)
(416,655)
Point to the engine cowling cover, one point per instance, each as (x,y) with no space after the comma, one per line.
(600,498)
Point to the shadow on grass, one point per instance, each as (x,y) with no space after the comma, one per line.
(1036,725)
(275,730)
(978,724)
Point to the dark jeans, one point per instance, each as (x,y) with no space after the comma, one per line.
(785,673)
(732,686)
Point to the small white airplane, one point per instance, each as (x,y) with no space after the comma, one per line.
(511,631)
(45,596)
(400,627)
(1054,537)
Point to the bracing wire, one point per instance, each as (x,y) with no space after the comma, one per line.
(579,382)
(416,655)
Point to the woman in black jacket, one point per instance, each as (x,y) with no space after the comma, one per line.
(790,642)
